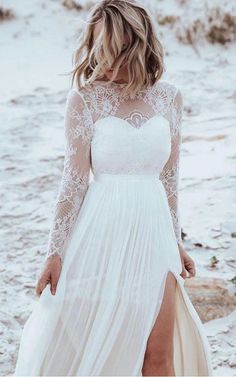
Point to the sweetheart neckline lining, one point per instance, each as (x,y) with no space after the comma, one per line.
(125,121)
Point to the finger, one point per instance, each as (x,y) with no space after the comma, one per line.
(38,290)
(192,271)
(183,273)
(40,287)
(54,281)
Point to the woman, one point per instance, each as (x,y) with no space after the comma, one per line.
(115,262)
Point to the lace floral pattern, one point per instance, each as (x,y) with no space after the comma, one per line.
(170,172)
(165,100)
(76,173)
(136,119)
(83,110)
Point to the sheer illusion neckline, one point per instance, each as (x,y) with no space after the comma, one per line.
(117,86)
(115,83)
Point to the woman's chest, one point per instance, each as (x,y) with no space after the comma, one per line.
(130,144)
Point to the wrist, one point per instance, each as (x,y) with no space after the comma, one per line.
(53,256)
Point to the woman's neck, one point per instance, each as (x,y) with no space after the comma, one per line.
(121,77)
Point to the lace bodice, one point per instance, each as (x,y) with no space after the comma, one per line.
(110,132)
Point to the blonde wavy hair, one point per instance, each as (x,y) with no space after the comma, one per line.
(127,39)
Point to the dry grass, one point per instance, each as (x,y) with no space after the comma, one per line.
(217,26)
(167,20)
(71,4)
(222,27)
(6,14)
(191,34)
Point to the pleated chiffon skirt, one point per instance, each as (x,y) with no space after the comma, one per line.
(111,288)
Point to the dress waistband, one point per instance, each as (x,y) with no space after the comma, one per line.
(122,176)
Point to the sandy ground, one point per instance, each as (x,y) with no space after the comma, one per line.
(37,46)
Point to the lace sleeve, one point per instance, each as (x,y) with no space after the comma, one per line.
(76,173)
(170,174)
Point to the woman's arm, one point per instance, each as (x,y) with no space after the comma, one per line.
(170,173)
(170,179)
(76,173)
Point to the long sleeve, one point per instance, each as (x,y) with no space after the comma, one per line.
(76,173)
(170,173)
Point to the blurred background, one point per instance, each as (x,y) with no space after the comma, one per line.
(37,40)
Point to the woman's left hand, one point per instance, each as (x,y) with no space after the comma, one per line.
(188,264)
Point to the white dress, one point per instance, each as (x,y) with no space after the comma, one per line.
(116,227)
